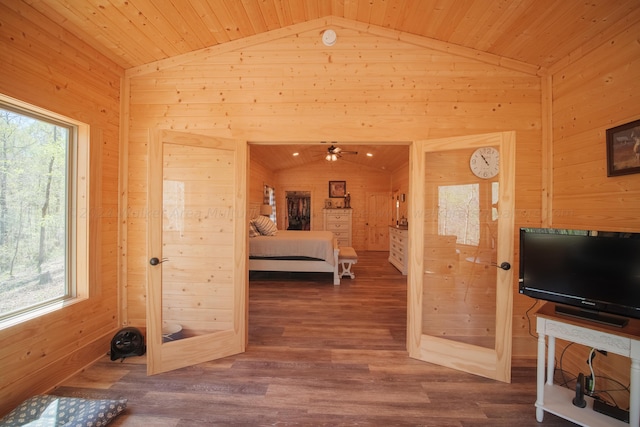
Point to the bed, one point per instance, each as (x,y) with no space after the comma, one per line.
(295,250)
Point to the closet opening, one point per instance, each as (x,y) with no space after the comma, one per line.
(298,205)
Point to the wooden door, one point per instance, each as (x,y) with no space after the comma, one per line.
(377,217)
(197,277)
(461,232)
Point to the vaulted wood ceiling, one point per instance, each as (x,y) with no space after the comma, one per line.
(538,32)
(137,32)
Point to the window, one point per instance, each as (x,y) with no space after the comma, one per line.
(269,198)
(459,213)
(43,206)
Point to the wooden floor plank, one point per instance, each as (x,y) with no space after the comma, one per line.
(318,355)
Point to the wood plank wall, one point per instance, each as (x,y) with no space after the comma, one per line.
(45,66)
(315,178)
(372,85)
(259,176)
(590,95)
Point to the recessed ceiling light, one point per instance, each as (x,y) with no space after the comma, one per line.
(369,155)
(296,154)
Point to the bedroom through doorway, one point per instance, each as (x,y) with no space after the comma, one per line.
(300,174)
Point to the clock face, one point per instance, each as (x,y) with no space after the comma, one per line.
(485,162)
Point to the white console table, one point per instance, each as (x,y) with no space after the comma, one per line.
(558,400)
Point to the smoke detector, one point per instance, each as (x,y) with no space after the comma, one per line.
(329,37)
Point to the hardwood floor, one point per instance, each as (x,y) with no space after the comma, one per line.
(318,355)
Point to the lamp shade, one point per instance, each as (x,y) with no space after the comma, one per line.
(266,210)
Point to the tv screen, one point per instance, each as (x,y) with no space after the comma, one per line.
(596,272)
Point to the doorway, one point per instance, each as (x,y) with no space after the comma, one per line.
(298,205)
(492,359)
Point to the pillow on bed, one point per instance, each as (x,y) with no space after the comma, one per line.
(253,230)
(47,410)
(265,226)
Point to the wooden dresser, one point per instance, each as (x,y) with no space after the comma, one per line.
(399,248)
(339,222)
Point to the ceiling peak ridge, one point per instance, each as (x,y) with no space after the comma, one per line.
(337,21)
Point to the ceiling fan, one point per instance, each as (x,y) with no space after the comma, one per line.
(334,153)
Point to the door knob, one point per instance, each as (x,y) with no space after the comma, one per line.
(156,261)
(505,266)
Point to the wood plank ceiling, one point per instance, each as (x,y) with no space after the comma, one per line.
(536,32)
(388,157)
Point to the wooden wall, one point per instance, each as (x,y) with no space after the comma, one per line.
(372,85)
(315,178)
(45,66)
(259,176)
(590,95)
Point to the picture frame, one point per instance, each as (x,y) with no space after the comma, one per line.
(623,149)
(337,189)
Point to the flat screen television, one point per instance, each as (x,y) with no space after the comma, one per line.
(590,274)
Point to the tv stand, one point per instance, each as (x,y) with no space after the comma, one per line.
(558,400)
(594,316)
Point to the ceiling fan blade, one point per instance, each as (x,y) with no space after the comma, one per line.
(337,152)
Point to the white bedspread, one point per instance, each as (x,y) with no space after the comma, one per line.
(294,243)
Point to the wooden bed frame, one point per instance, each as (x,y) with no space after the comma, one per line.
(315,266)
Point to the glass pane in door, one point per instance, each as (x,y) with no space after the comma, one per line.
(460,242)
(197,241)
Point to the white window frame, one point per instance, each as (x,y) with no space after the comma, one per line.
(78,187)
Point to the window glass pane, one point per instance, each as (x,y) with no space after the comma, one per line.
(34,157)
(459,213)
(495,195)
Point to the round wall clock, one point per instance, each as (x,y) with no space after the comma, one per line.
(485,162)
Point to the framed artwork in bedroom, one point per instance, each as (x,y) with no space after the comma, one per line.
(623,149)
(337,189)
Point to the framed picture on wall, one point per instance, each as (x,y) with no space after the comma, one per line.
(337,188)
(623,149)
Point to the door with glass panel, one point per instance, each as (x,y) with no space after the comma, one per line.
(197,277)
(461,251)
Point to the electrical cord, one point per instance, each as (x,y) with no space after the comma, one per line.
(598,394)
(592,385)
(565,382)
(535,302)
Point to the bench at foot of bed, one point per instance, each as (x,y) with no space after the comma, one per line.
(347,257)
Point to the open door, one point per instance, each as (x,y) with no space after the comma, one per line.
(460,280)
(197,276)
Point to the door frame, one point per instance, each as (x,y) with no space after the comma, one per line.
(491,363)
